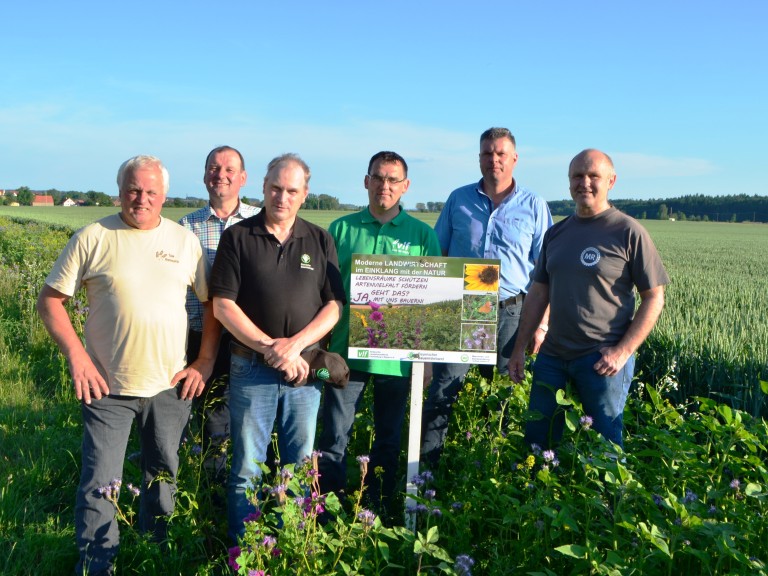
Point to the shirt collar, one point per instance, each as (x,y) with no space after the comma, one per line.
(368,218)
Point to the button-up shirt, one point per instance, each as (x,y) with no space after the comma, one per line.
(470,227)
(208,228)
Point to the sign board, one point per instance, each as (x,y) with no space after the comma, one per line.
(423,309)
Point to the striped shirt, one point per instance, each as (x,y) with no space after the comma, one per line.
(208,228)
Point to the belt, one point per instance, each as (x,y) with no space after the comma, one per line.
(513,300)
(247,353)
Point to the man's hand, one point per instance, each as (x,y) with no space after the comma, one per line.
(612,361)
(194,377)
(297,371)
(87,380)
(537,341)
(516,366)
(283,353)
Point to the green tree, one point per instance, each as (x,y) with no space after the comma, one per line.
(98,199)
(663,212)
(25,196)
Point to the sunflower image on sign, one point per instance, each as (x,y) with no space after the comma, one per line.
(481,277)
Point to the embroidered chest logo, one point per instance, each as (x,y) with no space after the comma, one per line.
(166,257)
(590,256)
(306,262)
(401,247)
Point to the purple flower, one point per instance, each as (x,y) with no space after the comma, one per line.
(548,455)
(377,316)
(690,496)
(658,500)
(735,484)
(252,517)
(234,553)
(429,494)
(586,422)
(374,305)
(366,517)
(463,565)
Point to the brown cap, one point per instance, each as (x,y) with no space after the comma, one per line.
(327,366)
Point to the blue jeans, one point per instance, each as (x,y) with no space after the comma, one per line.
(390,401)
(259,397)
(448,380)
(602,397)
(160,420)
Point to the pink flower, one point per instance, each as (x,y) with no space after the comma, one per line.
(377,316)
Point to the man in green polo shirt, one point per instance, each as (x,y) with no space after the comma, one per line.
(381,228)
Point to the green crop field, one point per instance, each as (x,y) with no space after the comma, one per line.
(77,217)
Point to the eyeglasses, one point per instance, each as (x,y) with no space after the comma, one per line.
(376,179)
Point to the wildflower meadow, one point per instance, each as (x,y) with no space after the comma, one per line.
(686,495)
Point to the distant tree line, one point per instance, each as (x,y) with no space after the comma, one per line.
(696,207)
(429,206)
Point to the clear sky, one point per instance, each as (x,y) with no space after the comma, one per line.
(676,91)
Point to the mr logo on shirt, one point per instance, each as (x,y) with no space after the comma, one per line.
(590,256)
(306,262)
(165,257)
(401,247)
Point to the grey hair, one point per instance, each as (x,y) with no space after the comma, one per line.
(142,161)
(289,158)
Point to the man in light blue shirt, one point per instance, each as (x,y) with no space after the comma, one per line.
(493,218)
(224,176)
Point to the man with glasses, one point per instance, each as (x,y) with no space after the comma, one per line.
(493,218)
(381,228)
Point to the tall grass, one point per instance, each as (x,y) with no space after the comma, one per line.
(712,335)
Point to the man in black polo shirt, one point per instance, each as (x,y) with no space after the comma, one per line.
(277,288)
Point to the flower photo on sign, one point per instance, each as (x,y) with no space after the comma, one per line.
(481,277)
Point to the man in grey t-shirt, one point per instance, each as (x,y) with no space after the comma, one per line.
(590,267)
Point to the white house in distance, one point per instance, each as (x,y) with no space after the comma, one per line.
(69,202)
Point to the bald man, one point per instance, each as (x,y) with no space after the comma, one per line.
(591,266)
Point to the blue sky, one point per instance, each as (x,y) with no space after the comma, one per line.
(675,91)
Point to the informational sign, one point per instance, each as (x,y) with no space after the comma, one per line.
(424,309)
